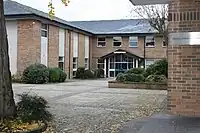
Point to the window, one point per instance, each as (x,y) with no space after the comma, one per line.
(150,41)
(100,63)
(117,41)
(86,63)
(164,43)
(133,41)
(101,42)
(75,64)
(149,62)
(61,62)
(44,30)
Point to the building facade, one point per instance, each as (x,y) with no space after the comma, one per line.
(114,46)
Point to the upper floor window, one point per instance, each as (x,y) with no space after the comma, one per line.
(150,41)
(117,41)
(133,41)
(44,30)
(101,42)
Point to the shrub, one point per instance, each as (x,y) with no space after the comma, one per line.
(136,71)
(16,79)
(88,75)
(157,78)
(160,67)
(54,75)
(33,108)
(80,73)
(99,73)
(63,76)
(36,74)
(120,77)
(130,77)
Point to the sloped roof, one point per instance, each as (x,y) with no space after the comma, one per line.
(124,26)
(12,8)
(136,26)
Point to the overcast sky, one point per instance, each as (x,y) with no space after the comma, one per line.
(85,9)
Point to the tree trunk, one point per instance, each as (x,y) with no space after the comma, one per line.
(7,103)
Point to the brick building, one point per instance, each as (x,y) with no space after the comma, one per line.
(183,55)
(114,45)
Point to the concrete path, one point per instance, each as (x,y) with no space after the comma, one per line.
(90,106)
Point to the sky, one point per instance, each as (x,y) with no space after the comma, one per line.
(81,10)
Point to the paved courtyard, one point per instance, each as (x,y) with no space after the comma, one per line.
(90,106)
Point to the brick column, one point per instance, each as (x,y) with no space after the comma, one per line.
(29,41)
(184,58)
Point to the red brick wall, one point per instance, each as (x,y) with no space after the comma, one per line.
(53,46)
(29,40)
(184,61)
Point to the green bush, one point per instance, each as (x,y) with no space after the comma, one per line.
(120,77)
(63,76)
(88,74)
(131,77)
(136,71)
(156,78)
(160,67)
(99,73)
(80,73)
(36,74)
(16,79)
(54,75)
(33,108)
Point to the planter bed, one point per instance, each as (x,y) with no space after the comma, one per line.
(137,85)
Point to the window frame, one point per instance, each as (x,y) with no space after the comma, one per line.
(133,41)
(87,63)
(97,60)
(146,60)
(100,46)
(61,59)
(113,41)
(44,30)
(149,42)
(75,63)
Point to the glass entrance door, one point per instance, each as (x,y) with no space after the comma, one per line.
(119,63)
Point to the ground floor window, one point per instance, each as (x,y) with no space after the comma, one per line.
(75,66)
(86,63)
(61,62)
(100,63)
(149,62)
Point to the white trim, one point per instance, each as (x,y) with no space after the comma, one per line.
(122,52)
(137,63)
(105,64)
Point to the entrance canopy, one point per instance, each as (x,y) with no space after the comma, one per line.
(120,51)
(149,2)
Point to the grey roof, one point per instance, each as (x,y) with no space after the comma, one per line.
(134,26)
(125,26)
(15,8)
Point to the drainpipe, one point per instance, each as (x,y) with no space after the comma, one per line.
(144,52)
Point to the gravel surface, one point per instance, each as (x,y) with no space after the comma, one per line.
(91,107)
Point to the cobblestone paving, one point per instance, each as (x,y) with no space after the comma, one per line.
(91,107)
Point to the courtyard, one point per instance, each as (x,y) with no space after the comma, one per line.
(90,106)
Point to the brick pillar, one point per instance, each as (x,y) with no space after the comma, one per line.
(184,58)
(29,41)
(81,50)
(53,46)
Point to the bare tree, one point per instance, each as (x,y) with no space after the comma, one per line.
(156,15)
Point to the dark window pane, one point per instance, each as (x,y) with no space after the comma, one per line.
(101,44)
(112,66)
(101,39)
(117,44)
(44,33)
(130,65)
(150,44)
(118,58)
(61,65)
(44,26)
(112,74)
(124,65)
